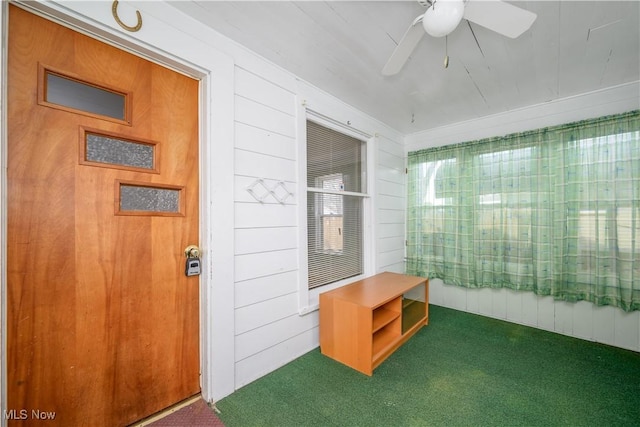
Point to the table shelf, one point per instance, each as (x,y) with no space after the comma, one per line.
(364,322)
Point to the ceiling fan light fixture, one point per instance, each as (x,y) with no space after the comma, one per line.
(443,17)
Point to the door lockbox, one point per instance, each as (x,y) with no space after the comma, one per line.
(192,267)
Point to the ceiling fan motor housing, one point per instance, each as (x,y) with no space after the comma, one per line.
(443,17)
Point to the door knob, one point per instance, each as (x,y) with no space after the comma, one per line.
(192,251)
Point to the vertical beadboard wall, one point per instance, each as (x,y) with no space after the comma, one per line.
(583,320)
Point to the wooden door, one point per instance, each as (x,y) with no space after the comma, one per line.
(102,320)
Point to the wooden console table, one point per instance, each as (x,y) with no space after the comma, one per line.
(362,323)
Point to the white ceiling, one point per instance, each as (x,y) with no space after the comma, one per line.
(341,47)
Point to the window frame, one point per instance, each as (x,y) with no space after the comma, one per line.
(308,299)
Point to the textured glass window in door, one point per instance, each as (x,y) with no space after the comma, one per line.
(84,97)
(111,150)
(149,200)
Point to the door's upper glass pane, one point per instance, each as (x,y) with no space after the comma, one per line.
(84,97)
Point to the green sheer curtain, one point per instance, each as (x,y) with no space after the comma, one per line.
(555,211)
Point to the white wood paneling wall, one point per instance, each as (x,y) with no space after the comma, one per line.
(607,325)
(269,329)
(266,253)
(391,202)
(583,320)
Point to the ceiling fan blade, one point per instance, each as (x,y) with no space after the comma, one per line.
(498,16)
(405,48)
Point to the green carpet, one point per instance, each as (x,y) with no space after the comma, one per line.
(461,370)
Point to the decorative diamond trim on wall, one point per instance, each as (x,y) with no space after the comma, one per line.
(261,190)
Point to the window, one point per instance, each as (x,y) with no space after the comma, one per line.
(329,215)
(335,192)
(66,93)
(555,211)
(477,215)
(601,174)
(503,215)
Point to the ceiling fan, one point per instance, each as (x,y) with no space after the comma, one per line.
(443,16)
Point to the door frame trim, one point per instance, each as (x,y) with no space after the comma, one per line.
(183,45)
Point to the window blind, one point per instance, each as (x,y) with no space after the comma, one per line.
(335,191)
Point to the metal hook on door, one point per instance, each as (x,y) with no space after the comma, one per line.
(114,11)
